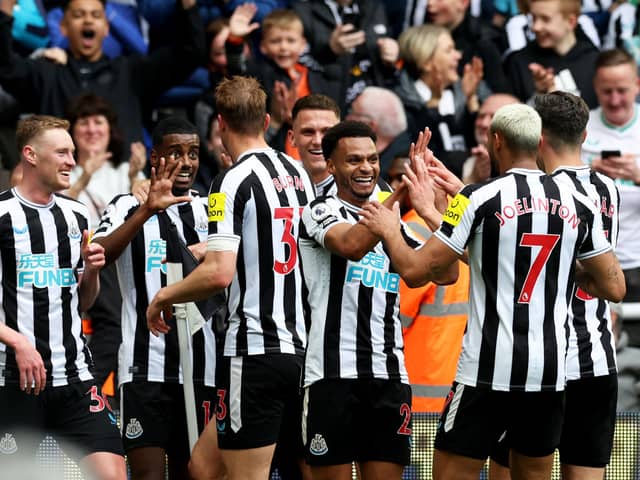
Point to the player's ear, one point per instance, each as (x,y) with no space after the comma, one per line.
(331,166)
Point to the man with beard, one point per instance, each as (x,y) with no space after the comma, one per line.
(354,365)
(133,235)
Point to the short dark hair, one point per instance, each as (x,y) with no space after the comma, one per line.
(315,101)
(242,103)
(65,4)
(613,58)
(345,129)
(170,126)
(564,118)
(89,104)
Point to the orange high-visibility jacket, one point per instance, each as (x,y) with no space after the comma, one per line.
(433,318)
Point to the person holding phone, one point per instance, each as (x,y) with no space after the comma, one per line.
(351,40)
(612,147)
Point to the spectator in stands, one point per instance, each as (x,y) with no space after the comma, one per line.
(101,171)
(433,94)
(383,111)
(473,38)
(623,26)
(519,29)
(477,168)
(130,83)
(351,41)
(557,59)
(282,76)
(433,318)
(612,147)
(125,36)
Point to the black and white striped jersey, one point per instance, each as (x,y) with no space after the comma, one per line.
(591,349)
(524,231)
(258,202)
(623,25)
(141,273)
(40,250)
(354,305)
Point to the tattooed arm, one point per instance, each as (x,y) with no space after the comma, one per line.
(601,276)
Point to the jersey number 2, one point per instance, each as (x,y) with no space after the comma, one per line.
(546,242)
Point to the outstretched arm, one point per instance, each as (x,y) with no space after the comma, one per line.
(209,278)
(159,198)
(434,261)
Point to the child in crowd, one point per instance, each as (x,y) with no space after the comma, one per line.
(557,59)
(282,76)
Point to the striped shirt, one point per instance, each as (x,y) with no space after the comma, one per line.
(40,251)
(524,232)
(258,202)
(141,273)
(591,348)
(355,325)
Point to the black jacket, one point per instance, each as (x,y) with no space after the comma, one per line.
(473,37)
(130,83)
(268,72)
(319,23)
(580,61)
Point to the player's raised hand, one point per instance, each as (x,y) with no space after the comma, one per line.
(160,195)
(443,178)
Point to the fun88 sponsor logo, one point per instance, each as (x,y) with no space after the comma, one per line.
(156,252)
(40,271)
(371,272)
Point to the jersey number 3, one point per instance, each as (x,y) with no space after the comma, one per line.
(288,238)
(546,242)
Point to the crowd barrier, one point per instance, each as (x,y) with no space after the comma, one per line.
(623,466)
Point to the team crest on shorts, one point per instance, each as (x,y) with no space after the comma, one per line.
(8,444)
(134,429)
(318,446)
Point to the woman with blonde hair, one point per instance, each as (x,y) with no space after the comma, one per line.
(433,93)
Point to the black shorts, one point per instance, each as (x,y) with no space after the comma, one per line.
(152,414)
(362,420)
(474,419)
(260,401)
(77,415)
(589,421)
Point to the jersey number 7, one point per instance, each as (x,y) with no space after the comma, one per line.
(547,242)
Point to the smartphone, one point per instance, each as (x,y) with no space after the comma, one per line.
(352,18)
(610,153)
